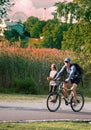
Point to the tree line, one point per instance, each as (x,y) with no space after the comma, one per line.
(24,69)
(74,33)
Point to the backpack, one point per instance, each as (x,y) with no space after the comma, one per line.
(78,68)
(80,71)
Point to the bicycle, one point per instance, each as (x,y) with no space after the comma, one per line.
(58,94)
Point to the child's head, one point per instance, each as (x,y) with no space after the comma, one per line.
(53,66)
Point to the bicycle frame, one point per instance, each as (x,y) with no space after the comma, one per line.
(60,90)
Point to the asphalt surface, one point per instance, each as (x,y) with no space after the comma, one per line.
(23,111)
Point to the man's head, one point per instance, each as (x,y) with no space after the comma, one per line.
(67,61)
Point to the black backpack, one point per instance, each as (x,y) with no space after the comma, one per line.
(78,68)
(80,71)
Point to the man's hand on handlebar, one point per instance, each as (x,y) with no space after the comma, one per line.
(58,79)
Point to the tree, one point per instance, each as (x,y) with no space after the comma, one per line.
(36,30)
(66,10)
(5,6)
(78,36)
(28,25)
(78,10)
(53,34)
(12,35)
(84,11)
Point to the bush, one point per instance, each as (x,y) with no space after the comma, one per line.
(26,86)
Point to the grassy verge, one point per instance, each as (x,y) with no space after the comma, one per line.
(22,97)
(26,97)
(45,126)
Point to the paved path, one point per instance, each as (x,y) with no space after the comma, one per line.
(32,111)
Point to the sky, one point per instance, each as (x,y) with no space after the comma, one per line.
(38,8)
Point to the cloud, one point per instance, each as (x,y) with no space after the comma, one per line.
(43,4)
(34,8)
(22,6)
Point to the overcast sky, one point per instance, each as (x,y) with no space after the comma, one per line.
(33,8)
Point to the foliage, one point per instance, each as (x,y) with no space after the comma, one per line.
(53,34)
(76,10)
(21,63)
(30,23)
(78,38)
(12,35)
(15,38)
(35,42)
(34,26)
(74,34)
(24,42)
(36,30)
(5,6)
(29,67)
(66,10)
(84,10)
(25,85)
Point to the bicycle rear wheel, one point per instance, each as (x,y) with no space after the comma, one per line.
(80,103)
(53,105)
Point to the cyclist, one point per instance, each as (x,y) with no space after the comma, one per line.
(73,78)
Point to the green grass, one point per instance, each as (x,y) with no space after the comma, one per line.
(46,126)
(26,97)
(22,97)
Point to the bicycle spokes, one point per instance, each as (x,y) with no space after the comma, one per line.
(77,106)
(53,102)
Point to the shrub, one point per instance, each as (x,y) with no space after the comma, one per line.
(25,85)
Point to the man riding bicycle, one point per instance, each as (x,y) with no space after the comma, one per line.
(74,78)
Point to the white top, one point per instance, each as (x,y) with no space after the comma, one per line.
(52,74)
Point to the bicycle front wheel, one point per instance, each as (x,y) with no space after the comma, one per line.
(80,103)
(53,105)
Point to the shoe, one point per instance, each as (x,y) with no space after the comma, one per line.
(78,101)
(53,100)
(66,100)
(74,104)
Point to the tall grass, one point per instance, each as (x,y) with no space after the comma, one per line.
(28,64)
(19,63)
